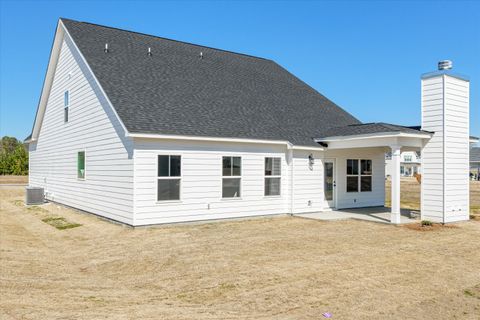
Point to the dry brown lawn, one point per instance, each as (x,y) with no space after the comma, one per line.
(8,179)
(277,268)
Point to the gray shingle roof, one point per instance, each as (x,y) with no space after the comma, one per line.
(369,128)
(475,154)
(223,94)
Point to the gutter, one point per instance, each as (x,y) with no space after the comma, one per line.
(288,144)
(375,135)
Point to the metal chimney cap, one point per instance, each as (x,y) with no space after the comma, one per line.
(445,65)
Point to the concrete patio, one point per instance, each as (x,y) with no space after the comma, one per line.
(374,214)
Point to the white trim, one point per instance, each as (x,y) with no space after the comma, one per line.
(219,139)
(375,135)
(169,177)
(240,177)
(444,160)
(84,165)
(60,36)
(94,77)
(265,177)
(334,190)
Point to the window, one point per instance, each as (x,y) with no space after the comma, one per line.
(81,165)
(66,103)
(408,158)
(352,175)
(402,170)
(168,177)
(365,175)
(273,175)
(231,172)
(359,180)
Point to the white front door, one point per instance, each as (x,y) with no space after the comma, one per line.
(329,182)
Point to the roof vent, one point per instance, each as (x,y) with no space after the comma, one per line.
(445,65)
(106,48)
(201,55)
(149,51)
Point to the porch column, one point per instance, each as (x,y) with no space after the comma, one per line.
(395,213)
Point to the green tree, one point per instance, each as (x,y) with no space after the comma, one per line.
(13,157)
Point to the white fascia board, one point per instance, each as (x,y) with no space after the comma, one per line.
(218,139)
(308,148)
(375,135)
(47,82)
(95,78)
(60,34)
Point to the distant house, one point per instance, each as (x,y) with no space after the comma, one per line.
(146,130)
(475,162)
(410,164)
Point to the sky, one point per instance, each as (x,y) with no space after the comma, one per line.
(367,57)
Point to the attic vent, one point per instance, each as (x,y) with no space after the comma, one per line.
(149,51)
(106,48)
(201,55)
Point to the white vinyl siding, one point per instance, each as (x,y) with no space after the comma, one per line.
(202,174)
(445,111)
(308,182)
(92,126)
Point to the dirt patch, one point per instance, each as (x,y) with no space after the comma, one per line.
(429,227)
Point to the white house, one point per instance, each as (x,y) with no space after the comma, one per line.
(146,130)
(410,163)
(475,163)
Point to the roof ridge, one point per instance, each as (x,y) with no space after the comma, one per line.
(167,39)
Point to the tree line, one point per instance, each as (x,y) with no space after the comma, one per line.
(13,157)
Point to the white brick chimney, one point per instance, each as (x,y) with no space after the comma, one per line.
(445,158)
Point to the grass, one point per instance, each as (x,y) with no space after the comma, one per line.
(60,223)
(276,268)
(426,223)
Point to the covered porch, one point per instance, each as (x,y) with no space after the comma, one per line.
(383,138)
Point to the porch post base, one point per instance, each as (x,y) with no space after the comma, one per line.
(395,217)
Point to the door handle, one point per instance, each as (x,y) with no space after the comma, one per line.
(334,184)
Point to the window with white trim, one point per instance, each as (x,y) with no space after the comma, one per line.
(66,104)
(273,176)
(231,177)
(359,175)
(168,177)
(366,175)
(81,165)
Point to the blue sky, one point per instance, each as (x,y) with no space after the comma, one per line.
(365,56)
